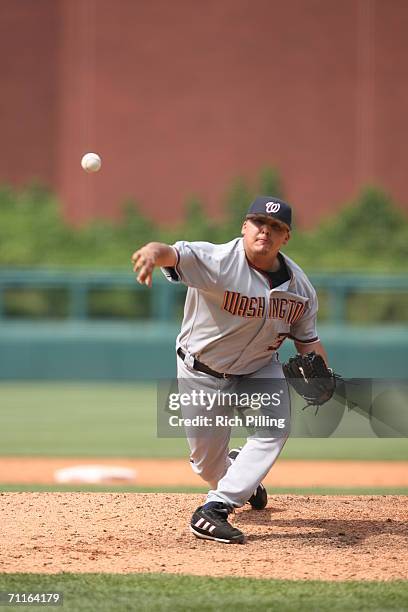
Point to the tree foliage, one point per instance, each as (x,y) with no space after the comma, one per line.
(368,234)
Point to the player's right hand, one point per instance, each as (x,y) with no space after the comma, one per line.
(144,261)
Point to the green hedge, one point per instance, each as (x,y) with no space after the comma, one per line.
(369,234)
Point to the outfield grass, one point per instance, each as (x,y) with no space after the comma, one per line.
(82,420)
(119,420)
(134,489)
(151,592)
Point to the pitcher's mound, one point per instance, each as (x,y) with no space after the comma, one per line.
(296,537)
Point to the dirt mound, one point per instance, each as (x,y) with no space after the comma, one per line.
(327,538)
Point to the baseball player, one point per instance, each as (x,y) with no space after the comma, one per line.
(244,299)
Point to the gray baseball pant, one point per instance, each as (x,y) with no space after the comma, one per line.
(231,482)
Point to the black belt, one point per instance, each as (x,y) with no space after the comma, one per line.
(201,367)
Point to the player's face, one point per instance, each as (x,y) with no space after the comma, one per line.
(264,235)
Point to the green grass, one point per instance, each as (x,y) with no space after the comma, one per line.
(119,420)
(370,449)
(82,420)
(155,592)
(134,489)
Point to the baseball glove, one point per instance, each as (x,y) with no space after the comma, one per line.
(311,378)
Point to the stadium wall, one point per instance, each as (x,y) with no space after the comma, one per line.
(179,98)
(132,352)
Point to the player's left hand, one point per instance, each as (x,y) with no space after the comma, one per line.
(311,378)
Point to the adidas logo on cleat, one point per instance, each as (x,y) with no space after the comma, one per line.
(210,522)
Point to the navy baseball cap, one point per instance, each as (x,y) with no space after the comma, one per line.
(271,207)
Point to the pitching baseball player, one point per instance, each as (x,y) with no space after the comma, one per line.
(244,299)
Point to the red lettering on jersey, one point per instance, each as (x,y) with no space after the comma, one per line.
(243,304)
(298,312)
(230,301)
(280,338)
(274,308)
(282,308)
(235,302)
(290,310)
(252,307)
(278,308)
(227,299)
(261,307)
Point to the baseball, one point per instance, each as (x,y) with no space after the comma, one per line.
(91,162)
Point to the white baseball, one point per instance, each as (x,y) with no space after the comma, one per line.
(91,162)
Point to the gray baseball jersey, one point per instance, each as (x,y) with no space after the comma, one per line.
(234,320)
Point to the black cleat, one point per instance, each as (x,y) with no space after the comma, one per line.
(211,524)
(259,498)
(234,452)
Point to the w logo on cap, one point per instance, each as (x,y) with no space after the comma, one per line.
(272,207)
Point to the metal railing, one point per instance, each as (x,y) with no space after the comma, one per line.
(79,285)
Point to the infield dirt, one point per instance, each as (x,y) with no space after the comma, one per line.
(178,472)
(295,537)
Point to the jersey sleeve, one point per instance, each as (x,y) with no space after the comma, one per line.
(304,330)
(197,266)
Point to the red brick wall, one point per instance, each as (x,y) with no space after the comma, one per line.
(181,97)
(29,31)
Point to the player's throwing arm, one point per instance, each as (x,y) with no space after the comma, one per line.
(150,256)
